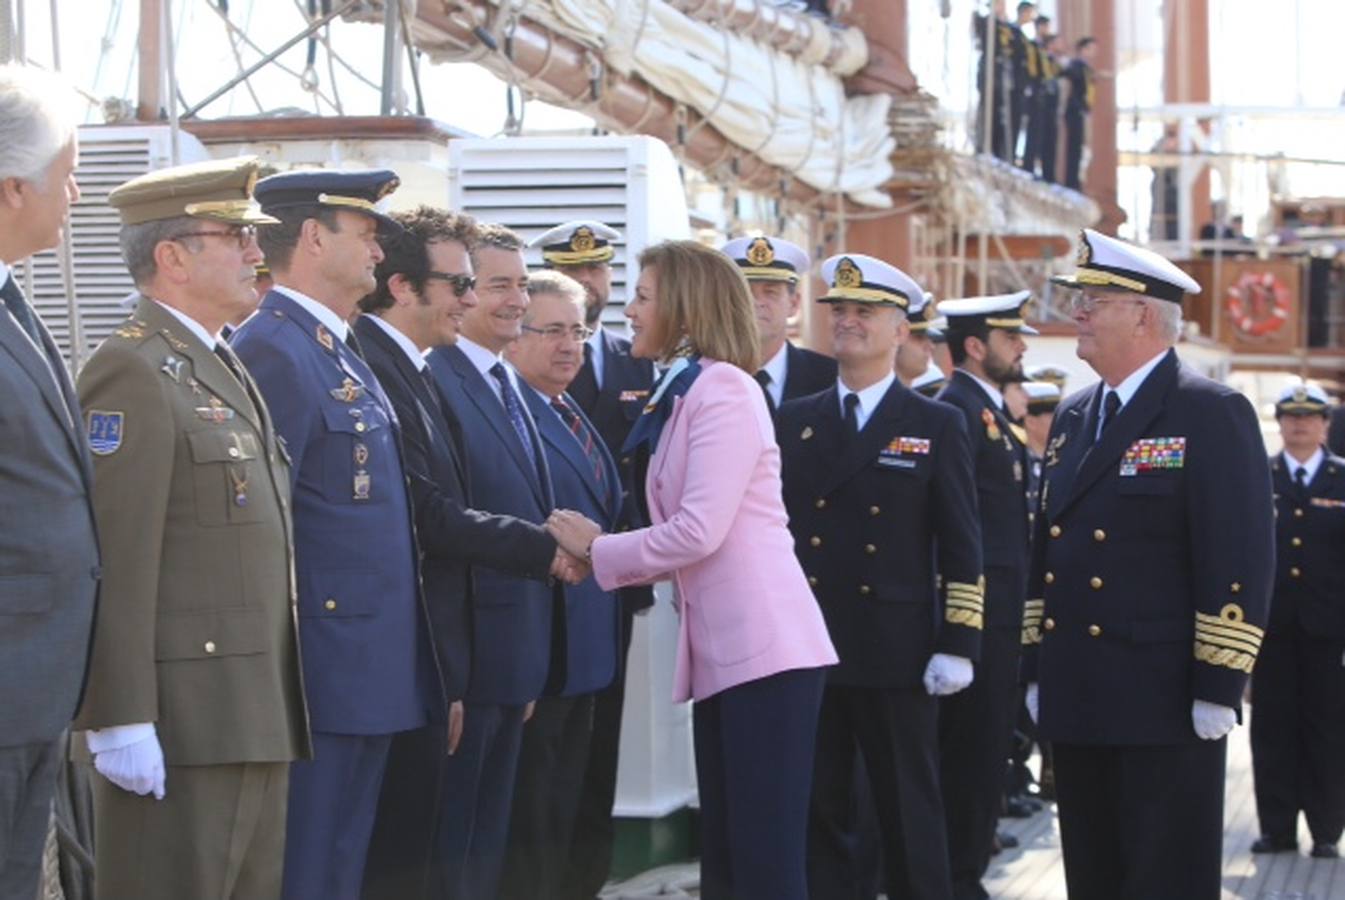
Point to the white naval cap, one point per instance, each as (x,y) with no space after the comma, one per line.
(865,279)
(1108,262)
(1042,397)
(1054,374)
(768,258)
(929,381)
(577,242)
(1302,399)
(1004,311)
(926,320)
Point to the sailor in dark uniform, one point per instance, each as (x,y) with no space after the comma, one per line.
(985,335)
(916,353)
(878,485)
(930,382)
(1298,691)
(1152,565)
(773,267)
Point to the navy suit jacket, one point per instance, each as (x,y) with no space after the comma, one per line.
(806,372)
(453,536)
(591,627)
(613,409)
(360,610)
(513,617)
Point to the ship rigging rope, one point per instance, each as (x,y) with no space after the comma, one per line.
(242,36)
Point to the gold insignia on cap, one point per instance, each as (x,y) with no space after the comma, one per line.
(1300,394)
(1085,251)
(847,274)
(760,252)
(582,241)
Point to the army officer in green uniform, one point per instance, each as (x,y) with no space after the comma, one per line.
(194,706)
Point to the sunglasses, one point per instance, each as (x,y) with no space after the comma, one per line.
(461,283)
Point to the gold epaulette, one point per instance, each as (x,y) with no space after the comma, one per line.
(1033,611)
(1226,640)
(965,604)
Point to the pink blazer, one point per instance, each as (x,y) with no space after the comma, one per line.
(719,531)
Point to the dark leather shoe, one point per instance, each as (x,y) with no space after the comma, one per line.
(1018,808)
(1269,844)
(1325,851)
(1006,840)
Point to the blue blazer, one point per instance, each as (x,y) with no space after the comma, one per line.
(512,617)
(359,603)
(454,537)
(592,624)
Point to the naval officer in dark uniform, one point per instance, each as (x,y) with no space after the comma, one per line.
(612,388)
(878,485)
(985,335)
(1298,691)
(1152,564)
(773,267)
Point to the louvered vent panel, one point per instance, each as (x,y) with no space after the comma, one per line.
(531,185)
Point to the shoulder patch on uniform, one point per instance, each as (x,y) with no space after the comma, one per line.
(105,431)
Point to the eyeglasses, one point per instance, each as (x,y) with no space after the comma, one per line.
(243,235)
(1087,304)
(557,333)
(461,283)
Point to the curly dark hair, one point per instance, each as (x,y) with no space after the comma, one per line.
(407,254)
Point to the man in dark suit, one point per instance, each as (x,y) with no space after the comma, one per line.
(515,620)
(48,546)
(424,287)
(369,669)
(584,478)
(1153,555)
(1298,691)
(878,485)
(612,388)
(985,335)
(774,267)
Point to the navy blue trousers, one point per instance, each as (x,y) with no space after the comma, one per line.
(475,801)
(333,798)
(754,767)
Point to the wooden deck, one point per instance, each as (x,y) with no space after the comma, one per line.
(1034,871)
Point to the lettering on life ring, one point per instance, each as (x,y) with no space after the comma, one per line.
(1258,304)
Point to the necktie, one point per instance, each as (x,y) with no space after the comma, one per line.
(1301,480)
(227,358)
(764,379)
(1111,405)
(581,434)
(513,407)
(851,403)
(18,308)
(432,389)
(354,343)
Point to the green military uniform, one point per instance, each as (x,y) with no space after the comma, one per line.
(196,632)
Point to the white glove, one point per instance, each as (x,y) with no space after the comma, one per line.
(130,757)
(1212,721)
(1032,701)
(947,674)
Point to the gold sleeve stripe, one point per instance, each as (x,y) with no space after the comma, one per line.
(964,586)
(1231,616)
(1031,634)
(1037,606)
(1227,658)
(970,618)
(1217,633)
(1241,646)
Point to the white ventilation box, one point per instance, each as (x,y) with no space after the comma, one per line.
(532,184)
(108,156)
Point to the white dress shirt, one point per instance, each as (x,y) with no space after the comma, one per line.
(869,398)
(778,368)
(330,320)
(412,353)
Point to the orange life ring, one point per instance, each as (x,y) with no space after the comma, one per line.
(1258,304)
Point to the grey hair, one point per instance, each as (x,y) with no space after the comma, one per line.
(35,125)
(1169,317)
(550,281)
(138,243)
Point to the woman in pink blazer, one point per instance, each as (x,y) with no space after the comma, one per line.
(752,642)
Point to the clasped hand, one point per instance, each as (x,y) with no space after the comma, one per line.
(573,531)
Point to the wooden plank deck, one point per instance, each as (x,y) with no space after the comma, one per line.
(1034,870)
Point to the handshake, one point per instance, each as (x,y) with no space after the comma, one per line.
(574,534)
